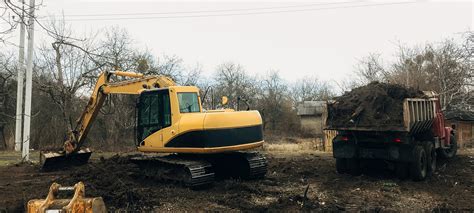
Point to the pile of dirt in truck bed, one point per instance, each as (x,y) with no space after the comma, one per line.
(373,105)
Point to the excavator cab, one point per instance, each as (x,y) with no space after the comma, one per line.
(154,108)
(153,113)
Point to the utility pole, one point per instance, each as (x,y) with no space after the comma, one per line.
(29,75)
(19,90)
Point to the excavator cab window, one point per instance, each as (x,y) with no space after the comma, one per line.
(154,113)
(188,102)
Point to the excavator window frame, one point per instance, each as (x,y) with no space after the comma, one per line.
(196,104)
(163,112)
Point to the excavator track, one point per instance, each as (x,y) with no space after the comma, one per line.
(198,171)
(244,165)
(175,168)
(257,166)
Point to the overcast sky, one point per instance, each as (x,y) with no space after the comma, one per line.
(307,38)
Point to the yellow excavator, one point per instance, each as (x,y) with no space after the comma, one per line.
(170,119)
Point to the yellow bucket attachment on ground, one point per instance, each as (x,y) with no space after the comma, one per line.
(58,160)
(78,203)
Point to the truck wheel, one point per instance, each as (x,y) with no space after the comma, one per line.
(353,166)
(418,168)
(451,151)
(341,165)
(431,152)
(401,169)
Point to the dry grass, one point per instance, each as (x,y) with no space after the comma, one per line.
(293,145)
(12,157)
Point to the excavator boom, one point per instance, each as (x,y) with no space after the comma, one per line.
(72,154)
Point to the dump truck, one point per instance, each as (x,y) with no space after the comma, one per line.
(390,123)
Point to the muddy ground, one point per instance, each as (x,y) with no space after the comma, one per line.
(290,174)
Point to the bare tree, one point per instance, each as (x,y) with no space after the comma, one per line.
(167,65)
(275,103)
(116,50)
(13,13)
(193,76)
(309,89)
(7,95)
(10,16)
(62,69)
(232,81)
(371,68)
(442,67)
(171,66)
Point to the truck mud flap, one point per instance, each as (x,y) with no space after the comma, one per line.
(344,150)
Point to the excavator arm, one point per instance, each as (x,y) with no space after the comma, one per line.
(72,146)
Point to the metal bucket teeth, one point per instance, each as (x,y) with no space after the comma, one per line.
(50,161)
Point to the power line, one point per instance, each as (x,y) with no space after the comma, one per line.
(210,11)
(240,14)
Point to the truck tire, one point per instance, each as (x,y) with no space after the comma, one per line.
(431,152)
(419,166)
(451,151)
(341,166)
(353,166)
(401,169)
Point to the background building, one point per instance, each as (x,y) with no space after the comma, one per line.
(313,116)
(464,124)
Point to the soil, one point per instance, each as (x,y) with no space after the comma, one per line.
(373,105)
(290,177)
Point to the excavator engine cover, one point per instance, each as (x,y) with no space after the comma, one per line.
(78,203)
(57,160)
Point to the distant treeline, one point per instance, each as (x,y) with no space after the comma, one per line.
(66,67)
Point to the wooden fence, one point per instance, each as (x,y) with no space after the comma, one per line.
(328,136)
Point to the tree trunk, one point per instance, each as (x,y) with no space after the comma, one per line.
(58,64)
(3,140)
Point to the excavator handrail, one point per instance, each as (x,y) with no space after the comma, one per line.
(103,87)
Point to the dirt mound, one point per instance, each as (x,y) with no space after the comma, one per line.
(285,189)
(116,180)
(376,104)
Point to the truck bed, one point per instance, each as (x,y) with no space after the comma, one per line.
(418,116)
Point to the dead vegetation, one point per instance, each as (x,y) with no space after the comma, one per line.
(294,145)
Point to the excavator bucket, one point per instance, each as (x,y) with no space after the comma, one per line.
(78,202)
(57,160)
